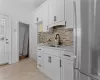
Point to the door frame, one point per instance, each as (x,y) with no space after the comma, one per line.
(10,38)
(18,39)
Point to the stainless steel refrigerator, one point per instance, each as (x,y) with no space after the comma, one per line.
(87,39)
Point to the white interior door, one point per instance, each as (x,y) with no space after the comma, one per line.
(4,39)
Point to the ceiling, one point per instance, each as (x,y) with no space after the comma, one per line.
(30,4)
(26,4)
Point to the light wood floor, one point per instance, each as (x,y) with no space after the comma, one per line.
(24,70)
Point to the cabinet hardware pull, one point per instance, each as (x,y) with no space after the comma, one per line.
(39,56)
(49,59)
(55,19)
(37,19)
(60,63)
(39,49)
(7,42)
(47,28)
(65,23)
(2,38)
(67,55)
(39,65)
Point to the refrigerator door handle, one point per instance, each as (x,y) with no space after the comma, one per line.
(75,35)
(76,74)
(95,1)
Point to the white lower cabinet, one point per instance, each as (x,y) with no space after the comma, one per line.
(52,66)
(40,59)
(47,65)
(56,64)
(67,70)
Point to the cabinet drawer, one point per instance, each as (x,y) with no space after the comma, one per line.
(40,54)
(39,49)
(52,52)
(67,55)
(40,62)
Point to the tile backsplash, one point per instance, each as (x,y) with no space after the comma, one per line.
(66,36)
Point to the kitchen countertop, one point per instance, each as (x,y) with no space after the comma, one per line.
(67,48)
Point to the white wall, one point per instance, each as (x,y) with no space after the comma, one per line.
(33,40)
(17,13)
(14,42)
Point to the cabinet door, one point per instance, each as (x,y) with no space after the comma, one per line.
(56,11)
(55,68)
(69,13)
(45,16)
(60,10)
(52,10)
(37,16)
(39,62)
(40,14)
(47,65)
(52,66)
(67,70)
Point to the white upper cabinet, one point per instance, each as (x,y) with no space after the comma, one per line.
(56,11)
(38,15)
(69,13)
(60,9)
(45,16)
(35,16)
(52,9)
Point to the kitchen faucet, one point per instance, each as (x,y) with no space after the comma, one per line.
(57,38)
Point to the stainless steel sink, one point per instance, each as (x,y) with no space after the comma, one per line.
(54,45)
